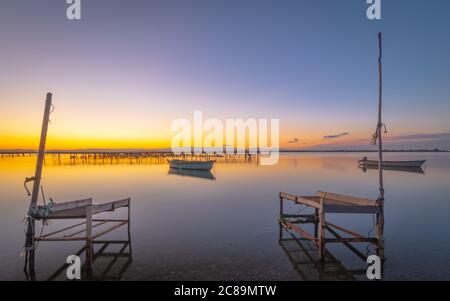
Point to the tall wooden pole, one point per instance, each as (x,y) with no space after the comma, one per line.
(29,243)
(380,215)
(380,122)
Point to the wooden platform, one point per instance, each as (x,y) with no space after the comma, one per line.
(335,203)
(327,202)
(79,209)
(84,231)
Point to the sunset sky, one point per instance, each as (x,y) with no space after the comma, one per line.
(123,73)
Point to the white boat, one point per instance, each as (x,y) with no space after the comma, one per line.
(399,164)
(191,165)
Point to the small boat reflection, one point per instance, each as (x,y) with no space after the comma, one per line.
(418,170)
(203,174)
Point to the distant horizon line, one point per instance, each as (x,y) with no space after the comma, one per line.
(167,150)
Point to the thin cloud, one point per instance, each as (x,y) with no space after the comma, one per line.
(416,141)
(420,137)
(294,141)
(335,136)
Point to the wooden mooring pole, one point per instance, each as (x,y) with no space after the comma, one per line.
(380,121)
(29,242)
(380,216)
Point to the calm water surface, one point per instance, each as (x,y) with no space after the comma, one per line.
(197,228)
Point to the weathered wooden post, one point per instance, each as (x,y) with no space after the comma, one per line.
(380,216)
(29,242)
(380,122)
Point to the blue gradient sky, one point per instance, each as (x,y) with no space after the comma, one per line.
(128,68)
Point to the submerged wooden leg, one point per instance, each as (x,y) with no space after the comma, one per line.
(380,235)
(129,229)
(280,236)
(31,261)
(129,217)
(89,244)
(316,223)
(321,235)
(281,206)
(29,244)
(380,239)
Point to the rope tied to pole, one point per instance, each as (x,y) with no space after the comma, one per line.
(41,212)
(377,133)
(28,179)
(37,213)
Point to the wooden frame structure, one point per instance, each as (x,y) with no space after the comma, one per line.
(326,202)
(84,209)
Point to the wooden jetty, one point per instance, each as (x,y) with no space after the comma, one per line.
(82,209)
(113,157)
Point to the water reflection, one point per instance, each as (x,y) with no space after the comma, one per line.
(303,256)
(110,262)
(202,174)
(418,170)
(245,195)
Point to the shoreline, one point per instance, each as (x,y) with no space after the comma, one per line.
(130,151)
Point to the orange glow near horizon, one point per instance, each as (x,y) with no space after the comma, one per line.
(120,125)
(65,143)
(79,142)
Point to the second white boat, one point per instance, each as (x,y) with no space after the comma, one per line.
(402,164)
